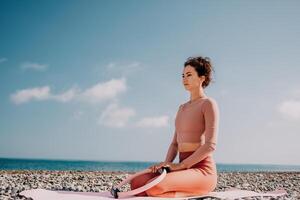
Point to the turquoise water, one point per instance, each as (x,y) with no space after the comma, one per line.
(37,164)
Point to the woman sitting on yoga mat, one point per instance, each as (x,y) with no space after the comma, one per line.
(195,138)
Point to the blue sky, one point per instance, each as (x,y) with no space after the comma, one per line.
(101,80)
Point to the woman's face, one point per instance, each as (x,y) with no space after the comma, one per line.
(190,78)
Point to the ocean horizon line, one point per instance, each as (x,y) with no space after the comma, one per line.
(134,161)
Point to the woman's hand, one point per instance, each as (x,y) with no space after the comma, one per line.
(176,166)
(172,166)
(156,167)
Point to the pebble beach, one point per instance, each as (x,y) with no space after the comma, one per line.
(12,182)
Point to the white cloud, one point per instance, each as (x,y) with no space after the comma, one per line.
(123,69)
(3,60)
(41,94)
(160,121)
(104,91)
(130,66)
(66,96)
(95,94)
(113,116)
(33,66)
(290,109)
(38,93)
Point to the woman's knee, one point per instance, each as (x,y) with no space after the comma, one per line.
(136,183)
(133,184)
(140,180)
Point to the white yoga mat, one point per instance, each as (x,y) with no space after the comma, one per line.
(233,193)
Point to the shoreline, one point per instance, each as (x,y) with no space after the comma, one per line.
(14,181)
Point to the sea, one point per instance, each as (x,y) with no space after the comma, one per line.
(111,166)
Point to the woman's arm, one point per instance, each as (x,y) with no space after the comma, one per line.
(211,117)
(173,148)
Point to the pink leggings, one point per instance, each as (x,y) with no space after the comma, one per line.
(200,179)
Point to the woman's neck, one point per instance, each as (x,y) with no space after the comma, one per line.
(197,94)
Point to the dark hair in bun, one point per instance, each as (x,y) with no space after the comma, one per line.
(202,66)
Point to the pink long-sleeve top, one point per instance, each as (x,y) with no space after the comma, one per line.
(196,129)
